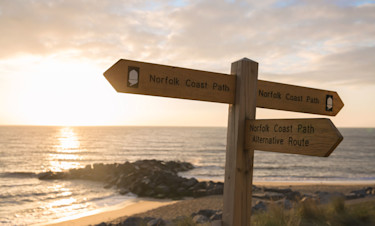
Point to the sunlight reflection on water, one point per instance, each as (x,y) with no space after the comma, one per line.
(66,156)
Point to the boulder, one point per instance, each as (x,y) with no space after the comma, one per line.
(206,212)
(293,195)
(52,175)
(200,219)
(273,196)
(150,178)
(259,206)
(278,190)
(156,222)
(217,216)
(189,182)
(131,221)
(326,197)
(285,203)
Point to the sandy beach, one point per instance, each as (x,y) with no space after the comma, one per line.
(136,207)
(168,209)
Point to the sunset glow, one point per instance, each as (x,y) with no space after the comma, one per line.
(54,55)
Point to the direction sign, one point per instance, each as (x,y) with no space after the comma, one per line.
(159,80)
(315,137)
(128,76)
(297,98)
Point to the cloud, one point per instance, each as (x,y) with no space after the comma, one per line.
(296,38)
(351,68)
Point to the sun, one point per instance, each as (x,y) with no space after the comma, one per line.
(54,91)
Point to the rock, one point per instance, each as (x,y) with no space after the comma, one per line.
(351,196)
(131,221)
(256,189)
(190,182)
(259,206)
(180,219)
(200,185)
(51,175)
(200,219)
(107,186)
(160,196)
(309,199)
(285,203)
(287,192)
(181,190)
(156,222)
(149,178)
(218,189)
(274,196)
(269,196)
(293,195)
(326,197)
(217,216)
(101,224)
(200,193)
(370,191)
(360,193)
(123,191)
(216,223)
(277,190)
(207,213)
(163,189)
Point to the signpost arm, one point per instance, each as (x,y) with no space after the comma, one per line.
(239,162)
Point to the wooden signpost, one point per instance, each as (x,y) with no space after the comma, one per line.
(244,92)
(315,137)
(128,76)
(159,80)
(286,97)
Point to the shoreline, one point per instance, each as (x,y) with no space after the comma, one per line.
(157,207)
(127,208)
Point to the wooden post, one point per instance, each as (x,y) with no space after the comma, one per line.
(239,162)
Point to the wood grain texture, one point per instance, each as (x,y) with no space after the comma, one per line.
(239,162)
(314,137)
(175,82)
(273,95)
(161,80)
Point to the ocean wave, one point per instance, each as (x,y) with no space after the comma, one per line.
(18,175)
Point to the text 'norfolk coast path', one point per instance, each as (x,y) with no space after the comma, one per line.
(128,76)
(315,137)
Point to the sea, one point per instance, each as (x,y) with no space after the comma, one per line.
(26,151)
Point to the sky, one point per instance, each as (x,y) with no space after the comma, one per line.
(54,53)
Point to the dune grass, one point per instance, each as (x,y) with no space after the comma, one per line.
(311,214)
(308,213)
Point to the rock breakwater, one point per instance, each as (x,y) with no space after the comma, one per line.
(145,178)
